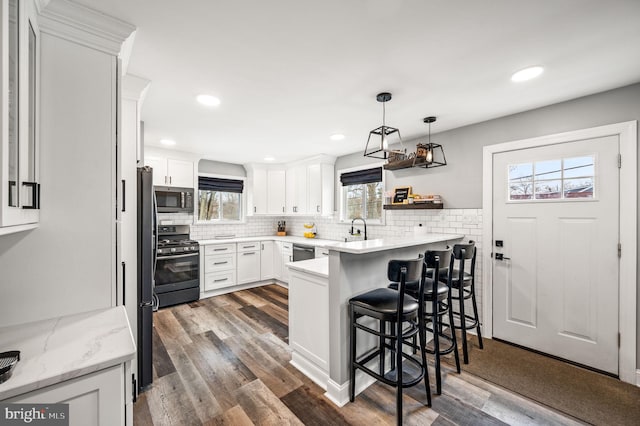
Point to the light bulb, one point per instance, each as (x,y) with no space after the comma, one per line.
(429,155)
(385,144)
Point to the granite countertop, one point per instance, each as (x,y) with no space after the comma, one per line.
(318,267)
(59,349)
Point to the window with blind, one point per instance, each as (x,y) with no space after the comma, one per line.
(219,198)
(362,194)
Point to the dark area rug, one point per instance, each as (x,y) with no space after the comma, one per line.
(586,395)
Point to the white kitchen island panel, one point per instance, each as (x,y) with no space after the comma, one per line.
(309,318)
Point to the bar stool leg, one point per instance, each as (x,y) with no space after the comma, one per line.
(352,352)
(452,329)
(463,324)
(475,312)
(435,326)
(398,356)
(381,343)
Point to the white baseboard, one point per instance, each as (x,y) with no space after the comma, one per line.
(309,369)
(339,393)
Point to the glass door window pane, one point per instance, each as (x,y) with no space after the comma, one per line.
(14,145)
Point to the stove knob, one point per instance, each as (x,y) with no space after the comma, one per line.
(173,250)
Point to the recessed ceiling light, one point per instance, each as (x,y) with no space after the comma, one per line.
(336,137)
(527,74)
(168,142)
(208,100)
(269,158)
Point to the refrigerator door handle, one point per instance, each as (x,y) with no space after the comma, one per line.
(155,238)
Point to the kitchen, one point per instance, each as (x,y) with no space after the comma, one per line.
(80,242)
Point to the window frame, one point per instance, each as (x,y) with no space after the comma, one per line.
(243,201)
(341,191)
(562,199)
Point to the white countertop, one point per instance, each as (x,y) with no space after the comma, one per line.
(382,244)
(59,349)
(315,242)
(318,267)
(353,247)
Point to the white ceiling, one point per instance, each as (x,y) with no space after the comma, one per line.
(290,73)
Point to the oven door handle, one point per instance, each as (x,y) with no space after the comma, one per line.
(177,256)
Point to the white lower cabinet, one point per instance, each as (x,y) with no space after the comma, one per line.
(267,260)
(248,269)
(95,399)
(286,256)
(219,266)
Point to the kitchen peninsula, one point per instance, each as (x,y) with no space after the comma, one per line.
(319,291)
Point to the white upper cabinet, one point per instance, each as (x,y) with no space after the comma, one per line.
(320,177)
(171,172)
(300,188)
(276,183)
(19,56)
(297,189)
(266,189)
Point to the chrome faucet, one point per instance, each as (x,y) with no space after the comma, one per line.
(365,227)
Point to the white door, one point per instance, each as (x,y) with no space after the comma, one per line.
(556,214)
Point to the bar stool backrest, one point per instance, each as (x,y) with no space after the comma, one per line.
(462,253)
(438,259)
(412,270)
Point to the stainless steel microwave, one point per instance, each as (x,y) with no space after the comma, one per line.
(174,200)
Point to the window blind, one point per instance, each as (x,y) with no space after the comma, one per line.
(221,185)
(361,176)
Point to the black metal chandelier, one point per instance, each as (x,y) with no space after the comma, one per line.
(381,138)
(432,153)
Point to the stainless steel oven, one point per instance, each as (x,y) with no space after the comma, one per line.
(177,277)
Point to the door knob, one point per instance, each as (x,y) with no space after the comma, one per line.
(500,256)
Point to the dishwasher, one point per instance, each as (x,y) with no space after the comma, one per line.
(302,252)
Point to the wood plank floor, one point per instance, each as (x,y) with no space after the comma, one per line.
(225,361)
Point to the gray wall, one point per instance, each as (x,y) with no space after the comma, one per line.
(460,182)
(219,168)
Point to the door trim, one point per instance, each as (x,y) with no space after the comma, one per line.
(628,210)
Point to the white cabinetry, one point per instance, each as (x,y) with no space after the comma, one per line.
(171,172)
(297,189)
(286,256)
(94,399)
(19,116)
(219,266)
(266,189)
(267,260)
(320,178)
(321,252)
(309,325)
(248,262)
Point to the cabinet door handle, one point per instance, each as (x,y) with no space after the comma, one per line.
(169,180)
(124,283)
(220,280)
(254,209)
(220,263)
(282,209)
(318,208)
(124,186)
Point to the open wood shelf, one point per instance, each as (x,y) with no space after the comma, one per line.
(414,206)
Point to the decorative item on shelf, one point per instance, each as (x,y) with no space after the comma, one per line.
(309,230)
(382,137)
(282,230)
(433,153)
(400,195)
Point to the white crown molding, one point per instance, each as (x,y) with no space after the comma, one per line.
(80,24)
(134,87)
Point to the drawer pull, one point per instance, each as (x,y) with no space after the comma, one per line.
(220,280)
(220,263)
(248,253)
(251,246)
(221,249)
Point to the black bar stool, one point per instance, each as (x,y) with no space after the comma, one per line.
(402,312)
(464,282)
(437,297)
(438,294)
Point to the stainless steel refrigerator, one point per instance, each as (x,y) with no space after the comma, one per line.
(147,253)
